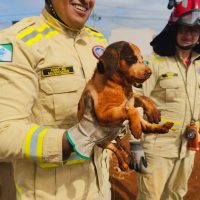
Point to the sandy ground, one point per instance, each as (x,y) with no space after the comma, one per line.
(119,192)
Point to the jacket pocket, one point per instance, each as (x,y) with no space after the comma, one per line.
(61,96)
(171,87)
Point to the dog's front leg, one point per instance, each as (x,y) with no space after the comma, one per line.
(134,119)
(153,114)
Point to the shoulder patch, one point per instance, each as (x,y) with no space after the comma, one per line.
(6,52)
(98,51)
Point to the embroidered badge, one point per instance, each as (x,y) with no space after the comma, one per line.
(57,71)
(169,75)
(6,52)
(98,51)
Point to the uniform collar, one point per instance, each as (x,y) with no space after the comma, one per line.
(194,55)
(49,19)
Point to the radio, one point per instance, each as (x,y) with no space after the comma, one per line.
(191,134)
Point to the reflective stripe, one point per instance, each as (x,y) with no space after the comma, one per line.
(72,160)
(33,143)
(177,124)
(18,191)
(34,140)
(39,148)
(27,145)
(97,36)
(93,32)
(33,35)
(157,58)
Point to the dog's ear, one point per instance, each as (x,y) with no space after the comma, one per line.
(100,67)
(109,61)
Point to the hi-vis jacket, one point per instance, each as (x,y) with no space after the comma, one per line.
(43,69)
(176,92)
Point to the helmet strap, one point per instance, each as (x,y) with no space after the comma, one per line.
(52,10)
(186,47)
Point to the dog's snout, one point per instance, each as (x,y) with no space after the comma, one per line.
(148,72)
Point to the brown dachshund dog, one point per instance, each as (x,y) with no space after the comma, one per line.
(114,101)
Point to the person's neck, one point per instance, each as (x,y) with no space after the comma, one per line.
(185,55)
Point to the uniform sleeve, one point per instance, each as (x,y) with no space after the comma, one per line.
(147,87)
(19,138)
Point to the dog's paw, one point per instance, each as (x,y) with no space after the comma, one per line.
(166,126)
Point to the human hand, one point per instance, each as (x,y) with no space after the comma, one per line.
(139,163)
(87,133)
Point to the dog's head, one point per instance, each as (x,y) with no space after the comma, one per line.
(125,59)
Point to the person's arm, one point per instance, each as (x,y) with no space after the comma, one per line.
(19,137)
(22,139)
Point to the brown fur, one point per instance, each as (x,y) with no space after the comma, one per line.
(120,66)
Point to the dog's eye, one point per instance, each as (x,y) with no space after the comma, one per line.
(131,60)
(146,62)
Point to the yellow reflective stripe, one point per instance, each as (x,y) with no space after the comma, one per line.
(93,32)
(33,40)
(25,32)
(72,160)
(100,39)
(42,28)
(34,143)
(33,35)
(97,35)
(30,30)
(51,33)
(40,144)
(27,146)
(19,191)
(48,165)
(157,58)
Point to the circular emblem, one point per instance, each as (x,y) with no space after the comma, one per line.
(98,51)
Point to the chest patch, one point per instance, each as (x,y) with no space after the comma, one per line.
(6,52)
(98,51)
(57,71)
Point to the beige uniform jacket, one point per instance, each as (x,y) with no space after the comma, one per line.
(43,69)
(167,88)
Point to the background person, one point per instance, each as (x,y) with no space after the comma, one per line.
(174,87)
(45,62)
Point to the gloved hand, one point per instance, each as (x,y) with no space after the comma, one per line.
(87,133)
(139,164)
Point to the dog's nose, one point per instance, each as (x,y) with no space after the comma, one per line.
(148,73)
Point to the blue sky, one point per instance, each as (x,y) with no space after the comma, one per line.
(109,14)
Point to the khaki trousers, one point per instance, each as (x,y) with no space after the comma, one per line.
(168,180)
(7,186)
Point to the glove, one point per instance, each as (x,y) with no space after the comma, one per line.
(140,163)
(87,133)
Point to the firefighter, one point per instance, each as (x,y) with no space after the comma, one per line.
(174,87)
(45,62)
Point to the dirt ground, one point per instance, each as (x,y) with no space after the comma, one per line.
(119,192)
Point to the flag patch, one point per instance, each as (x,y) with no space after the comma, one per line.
(6,52)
